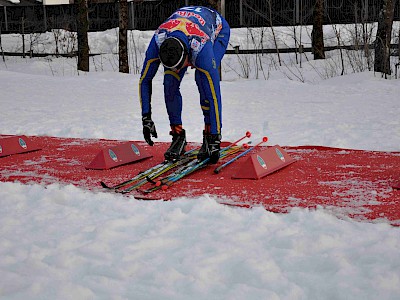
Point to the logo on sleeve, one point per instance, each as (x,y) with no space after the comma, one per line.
(195,45)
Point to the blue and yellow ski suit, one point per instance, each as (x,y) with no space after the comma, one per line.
(206,34)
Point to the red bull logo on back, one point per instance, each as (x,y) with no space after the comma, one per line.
(186,26)
(188,14)
(170,24)
(194,29)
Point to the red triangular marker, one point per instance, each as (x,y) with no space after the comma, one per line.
(263,163)
(118,155)
(16,144)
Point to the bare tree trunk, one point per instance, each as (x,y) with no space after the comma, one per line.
(23,36)
(82,30)
(383,37)
(398,45)
(1,46)
(123,36)
(216,4)
(317,31)
(273,32)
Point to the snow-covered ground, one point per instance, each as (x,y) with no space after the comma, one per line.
(61,242)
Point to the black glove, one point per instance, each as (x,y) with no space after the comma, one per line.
(148,129)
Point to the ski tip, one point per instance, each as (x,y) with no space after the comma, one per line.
(104,185)
(248,134)
(216,171)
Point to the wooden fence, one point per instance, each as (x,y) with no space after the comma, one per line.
(148,15)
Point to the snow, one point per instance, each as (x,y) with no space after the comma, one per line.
(62,242)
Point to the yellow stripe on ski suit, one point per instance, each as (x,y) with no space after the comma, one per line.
(150,61)
(215,99)
(169,72)
(203,107)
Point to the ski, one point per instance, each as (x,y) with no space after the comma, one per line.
(187,166)
(162,182)
(137,177)
(190,168)
(193,167)
(154,175)
(160,168)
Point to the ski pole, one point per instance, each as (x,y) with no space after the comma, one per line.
(204,162)
(218,169)
(201,164)
(247,135)
(192,168)
(194,165)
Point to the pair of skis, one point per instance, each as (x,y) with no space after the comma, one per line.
(194,166)
(151,173)
(183,167)
(189,168)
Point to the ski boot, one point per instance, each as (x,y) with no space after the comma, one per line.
(177,147)
(210,148)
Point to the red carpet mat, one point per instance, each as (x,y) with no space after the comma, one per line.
(349,183)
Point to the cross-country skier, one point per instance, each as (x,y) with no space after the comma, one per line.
(192,36)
